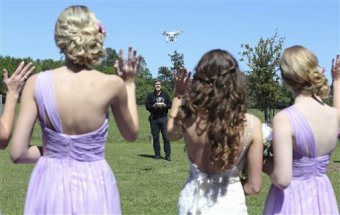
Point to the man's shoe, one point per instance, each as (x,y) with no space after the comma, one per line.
(167,158)
(158,157)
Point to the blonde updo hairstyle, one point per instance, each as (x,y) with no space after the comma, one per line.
(301,72)
(79,36)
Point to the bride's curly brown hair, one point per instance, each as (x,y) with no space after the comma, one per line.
(217,101)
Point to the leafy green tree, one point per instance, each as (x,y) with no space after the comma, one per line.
(262,78)
(110,57)
(165,75)
(107,63)
(177,60)
(144,83)
(47,64)
(285,98)
(329,99)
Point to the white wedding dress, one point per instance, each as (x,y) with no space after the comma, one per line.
(215,194)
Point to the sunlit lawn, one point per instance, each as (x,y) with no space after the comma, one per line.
(146,186)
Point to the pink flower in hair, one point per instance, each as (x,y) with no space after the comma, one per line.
(322,70)
(101,29)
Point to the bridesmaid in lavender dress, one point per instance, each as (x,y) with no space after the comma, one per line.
(304,136)
(71,175)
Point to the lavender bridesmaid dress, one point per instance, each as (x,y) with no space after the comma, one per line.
(72,176)
(310,191)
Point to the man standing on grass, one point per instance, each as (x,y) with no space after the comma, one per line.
(157,103)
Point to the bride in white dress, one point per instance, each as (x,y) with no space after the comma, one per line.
(210,113)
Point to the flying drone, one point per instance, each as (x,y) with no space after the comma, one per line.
(171,36)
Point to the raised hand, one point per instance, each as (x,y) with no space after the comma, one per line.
(336,83)
(127,69)
(181,81)
(336,68)
(16,82)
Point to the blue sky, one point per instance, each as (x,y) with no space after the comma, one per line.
(26,27)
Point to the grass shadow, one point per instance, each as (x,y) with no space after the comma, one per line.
(146,156)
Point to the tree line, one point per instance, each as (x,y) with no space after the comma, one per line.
(264,86)
(144,80)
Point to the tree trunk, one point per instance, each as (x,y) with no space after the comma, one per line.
(268,115)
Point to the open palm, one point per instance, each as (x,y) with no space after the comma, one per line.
(127,69)
(182,81)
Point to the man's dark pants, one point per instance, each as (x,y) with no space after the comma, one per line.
(159,125)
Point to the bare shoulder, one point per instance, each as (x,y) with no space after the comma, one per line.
(332,110)
(280,116)
(255,127)
(281,123)
(30,83)
(333,113)
(252,118)
(32,78)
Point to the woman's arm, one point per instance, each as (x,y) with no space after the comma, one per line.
(281,174)
(175,132)
(181,81)
(125,107)
(253,184)
(21,150)
(123,110)
(14,85)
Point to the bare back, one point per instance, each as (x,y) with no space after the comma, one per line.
(199,150)
(324,122)
(83,98)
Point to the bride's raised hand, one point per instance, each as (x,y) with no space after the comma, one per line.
(182,81)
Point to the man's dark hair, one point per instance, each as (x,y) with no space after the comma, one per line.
(157,80)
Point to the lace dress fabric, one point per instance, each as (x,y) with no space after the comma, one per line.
(72,176)
(215,193)
(310,191)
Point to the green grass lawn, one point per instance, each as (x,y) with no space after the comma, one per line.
(146,186)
